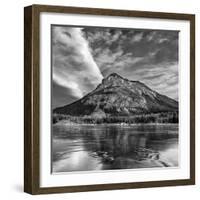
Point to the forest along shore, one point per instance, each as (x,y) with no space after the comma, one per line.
(153,118)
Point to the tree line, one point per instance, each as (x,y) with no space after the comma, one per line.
(164,117)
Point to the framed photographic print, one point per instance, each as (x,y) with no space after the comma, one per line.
(109,99)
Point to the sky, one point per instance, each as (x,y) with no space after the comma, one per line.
(83,56)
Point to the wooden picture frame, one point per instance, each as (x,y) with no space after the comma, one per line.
(32,98)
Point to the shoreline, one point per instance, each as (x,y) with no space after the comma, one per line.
(64,122)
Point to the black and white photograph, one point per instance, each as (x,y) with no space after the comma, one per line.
(114,98)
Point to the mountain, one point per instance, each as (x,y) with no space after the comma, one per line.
(117,96)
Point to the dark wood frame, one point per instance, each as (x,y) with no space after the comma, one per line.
(32,104)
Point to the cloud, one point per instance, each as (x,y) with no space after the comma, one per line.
(161,40)
(151,36)
(73,65)
(162,77)
(137,37)
(61,95)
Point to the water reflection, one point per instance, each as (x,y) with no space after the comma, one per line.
(101,147)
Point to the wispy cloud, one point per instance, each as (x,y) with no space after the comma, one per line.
(73,65)
(137,37)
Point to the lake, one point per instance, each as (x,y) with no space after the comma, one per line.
(109,147)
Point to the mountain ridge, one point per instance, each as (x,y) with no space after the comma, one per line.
(118,96)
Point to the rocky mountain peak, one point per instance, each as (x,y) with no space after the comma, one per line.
(119,96)
(113,79)
(114,75)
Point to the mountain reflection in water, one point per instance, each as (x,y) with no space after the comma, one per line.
(107,147)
